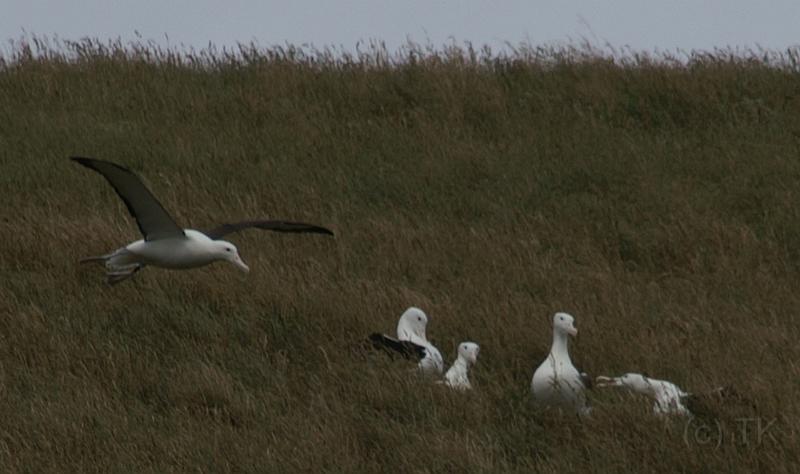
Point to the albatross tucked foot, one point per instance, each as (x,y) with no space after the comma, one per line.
(122,274)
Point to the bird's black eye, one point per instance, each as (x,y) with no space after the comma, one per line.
(419,318)
(227,250)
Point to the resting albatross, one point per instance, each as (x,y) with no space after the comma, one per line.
(412,343)
(557,382)
(457,376)
(668,397)
(165,244)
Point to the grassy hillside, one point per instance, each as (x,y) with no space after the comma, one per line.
(656,202)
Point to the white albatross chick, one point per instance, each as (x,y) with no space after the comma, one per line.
(556,382)
(411,342)
(668,397)
(457,376)
(165,244)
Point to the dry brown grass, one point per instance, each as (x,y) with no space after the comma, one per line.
(658,203)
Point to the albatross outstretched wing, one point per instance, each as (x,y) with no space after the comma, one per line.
(407,349)
(277,226)
(153,221)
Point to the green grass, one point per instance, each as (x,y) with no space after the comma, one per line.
(655,201)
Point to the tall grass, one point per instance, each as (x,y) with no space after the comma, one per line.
(653,197)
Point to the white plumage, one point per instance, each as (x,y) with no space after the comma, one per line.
(411,327)
(556,382)
(668,397)
(411,342)
(458,375)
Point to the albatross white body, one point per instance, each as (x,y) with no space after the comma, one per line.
(668,397)
(458,375)
(557,382)
(192,250)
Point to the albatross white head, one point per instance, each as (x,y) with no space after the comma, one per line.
(224,250)
(469,352)
(565,324)
(412,325)
(457,376)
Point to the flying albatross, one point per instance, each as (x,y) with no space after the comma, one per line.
(165,244)
(556,382)
(411,342)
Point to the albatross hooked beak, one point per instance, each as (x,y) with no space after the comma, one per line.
(603,381)
(237,260)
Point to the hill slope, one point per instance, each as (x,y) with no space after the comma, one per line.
(658,203)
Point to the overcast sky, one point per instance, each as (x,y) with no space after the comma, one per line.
(639,24)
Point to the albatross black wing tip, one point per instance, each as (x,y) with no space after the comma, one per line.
(321,230)
(294,227)
(406,349)
(378,340)
(95,164)
(273,225)
(85,160)
(82,160)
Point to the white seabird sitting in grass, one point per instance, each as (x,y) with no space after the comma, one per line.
(668,396)
(411,342)
(457,376)
(557,382)
(165,244)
